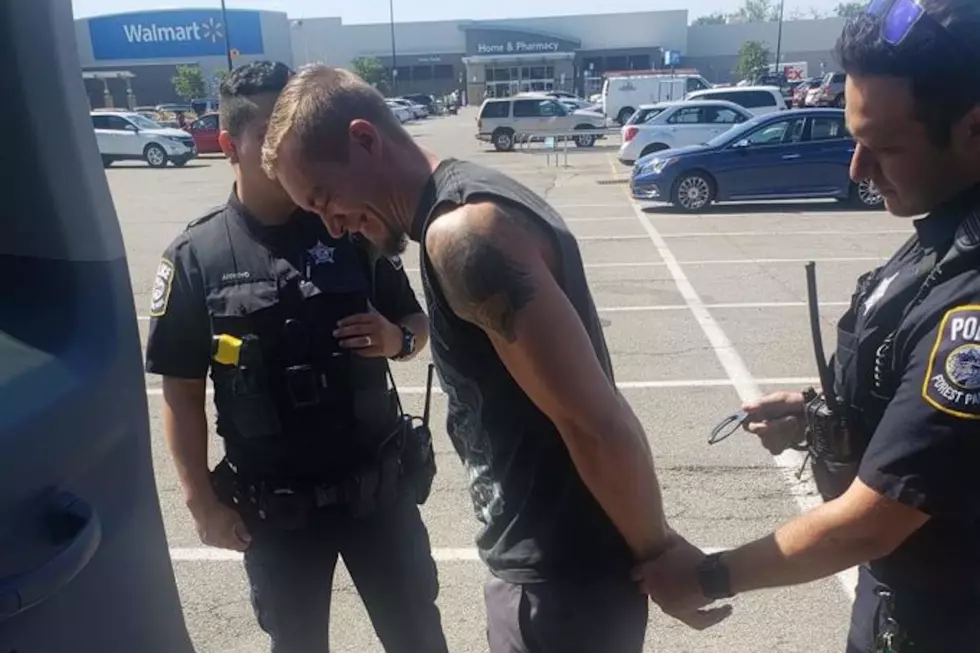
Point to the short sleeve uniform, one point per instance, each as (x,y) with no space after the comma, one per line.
(180,335)
(925,450)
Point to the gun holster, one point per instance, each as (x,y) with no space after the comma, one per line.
(418,460)
(832,457)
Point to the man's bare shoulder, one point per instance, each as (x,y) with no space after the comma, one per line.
(485,263)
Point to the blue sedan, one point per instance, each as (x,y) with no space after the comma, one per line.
(799,154)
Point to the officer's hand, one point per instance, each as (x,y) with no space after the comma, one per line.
(220,526)
(777,419)
(671,580)
(369,334)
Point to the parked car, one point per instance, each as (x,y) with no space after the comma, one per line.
(796,155)
(759,100)
(123,136)
(671,125)
(803,89)
(403,113)
(830,93)
(418,111)
(424,100)
(502,119)
(205,132)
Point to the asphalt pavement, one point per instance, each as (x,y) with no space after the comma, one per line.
(700,312)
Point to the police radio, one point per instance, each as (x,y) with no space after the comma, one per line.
(418,455)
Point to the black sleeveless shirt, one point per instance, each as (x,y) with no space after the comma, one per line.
(540,522)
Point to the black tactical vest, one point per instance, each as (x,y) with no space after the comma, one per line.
(540,520)
(295,404)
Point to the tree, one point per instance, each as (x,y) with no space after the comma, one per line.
(812,13)
(850,9)
(370,70)
(716,18)
(756,11)
(752,56)
(219,76)
(189,82)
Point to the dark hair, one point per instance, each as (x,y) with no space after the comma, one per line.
(236,108)
(936,57)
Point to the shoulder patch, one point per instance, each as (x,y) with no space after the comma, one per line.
(952,382)
(162,285)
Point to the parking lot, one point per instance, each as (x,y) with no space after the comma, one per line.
(700,312)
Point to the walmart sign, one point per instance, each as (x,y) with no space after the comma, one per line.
(161,34)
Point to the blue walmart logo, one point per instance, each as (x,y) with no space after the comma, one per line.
(209,30)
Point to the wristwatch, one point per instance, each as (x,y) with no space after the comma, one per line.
(408,343)
(713,577)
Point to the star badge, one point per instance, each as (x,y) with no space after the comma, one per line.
(320,253)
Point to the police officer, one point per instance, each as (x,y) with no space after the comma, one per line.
(897,443)
(296,328)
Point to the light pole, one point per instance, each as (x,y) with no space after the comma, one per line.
(394,73)
(224,23)
(779,35)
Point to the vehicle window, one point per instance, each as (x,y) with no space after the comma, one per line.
(554,108)
(788,131)
(686,116)
(838,78)
(496,110)
(828,129)
(641,116)
(721,116)
(527,109)
(118,123)
(756,99)
(695,84)
(100,122)
(207,123)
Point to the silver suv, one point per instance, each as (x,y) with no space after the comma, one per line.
(505,121)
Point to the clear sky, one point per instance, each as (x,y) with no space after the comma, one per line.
(376,11)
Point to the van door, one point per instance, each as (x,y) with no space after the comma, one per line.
(84,563)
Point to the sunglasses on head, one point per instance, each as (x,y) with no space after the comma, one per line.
(898,18)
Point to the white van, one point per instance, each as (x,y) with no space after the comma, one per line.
(622,94)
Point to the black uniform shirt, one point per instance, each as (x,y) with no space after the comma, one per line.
(925,446)
(179,343)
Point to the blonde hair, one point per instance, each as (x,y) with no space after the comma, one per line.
(317,107)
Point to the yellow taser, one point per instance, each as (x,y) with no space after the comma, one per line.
(225,349)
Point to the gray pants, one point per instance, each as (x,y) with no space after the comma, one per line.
(597,616)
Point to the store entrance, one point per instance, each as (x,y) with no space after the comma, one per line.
(505,81)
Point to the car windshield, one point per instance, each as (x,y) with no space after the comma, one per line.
(143,122)
(737,132)
(644,115)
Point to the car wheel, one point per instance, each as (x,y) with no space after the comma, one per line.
(693,192)
(625,114)
(650,149)
(585,140)
(865,195)
(155,156)
(503,140)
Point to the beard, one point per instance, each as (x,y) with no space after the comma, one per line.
(395,244)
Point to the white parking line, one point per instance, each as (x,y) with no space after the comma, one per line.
(738,372)
(755,234)
(671,307)
(731,305)
(792,381)
(734,261)
(439,554)
(615,219)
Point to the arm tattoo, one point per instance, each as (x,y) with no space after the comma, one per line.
(483,285)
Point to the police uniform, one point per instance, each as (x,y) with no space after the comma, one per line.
(907,377)
(312,433)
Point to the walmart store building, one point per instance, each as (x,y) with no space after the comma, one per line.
(132,58)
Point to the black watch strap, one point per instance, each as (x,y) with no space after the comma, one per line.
(408,343)
(713,577)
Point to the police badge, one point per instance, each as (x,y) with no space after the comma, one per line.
(952,382)
(162,284)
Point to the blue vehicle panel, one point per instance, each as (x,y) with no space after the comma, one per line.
(800,154)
